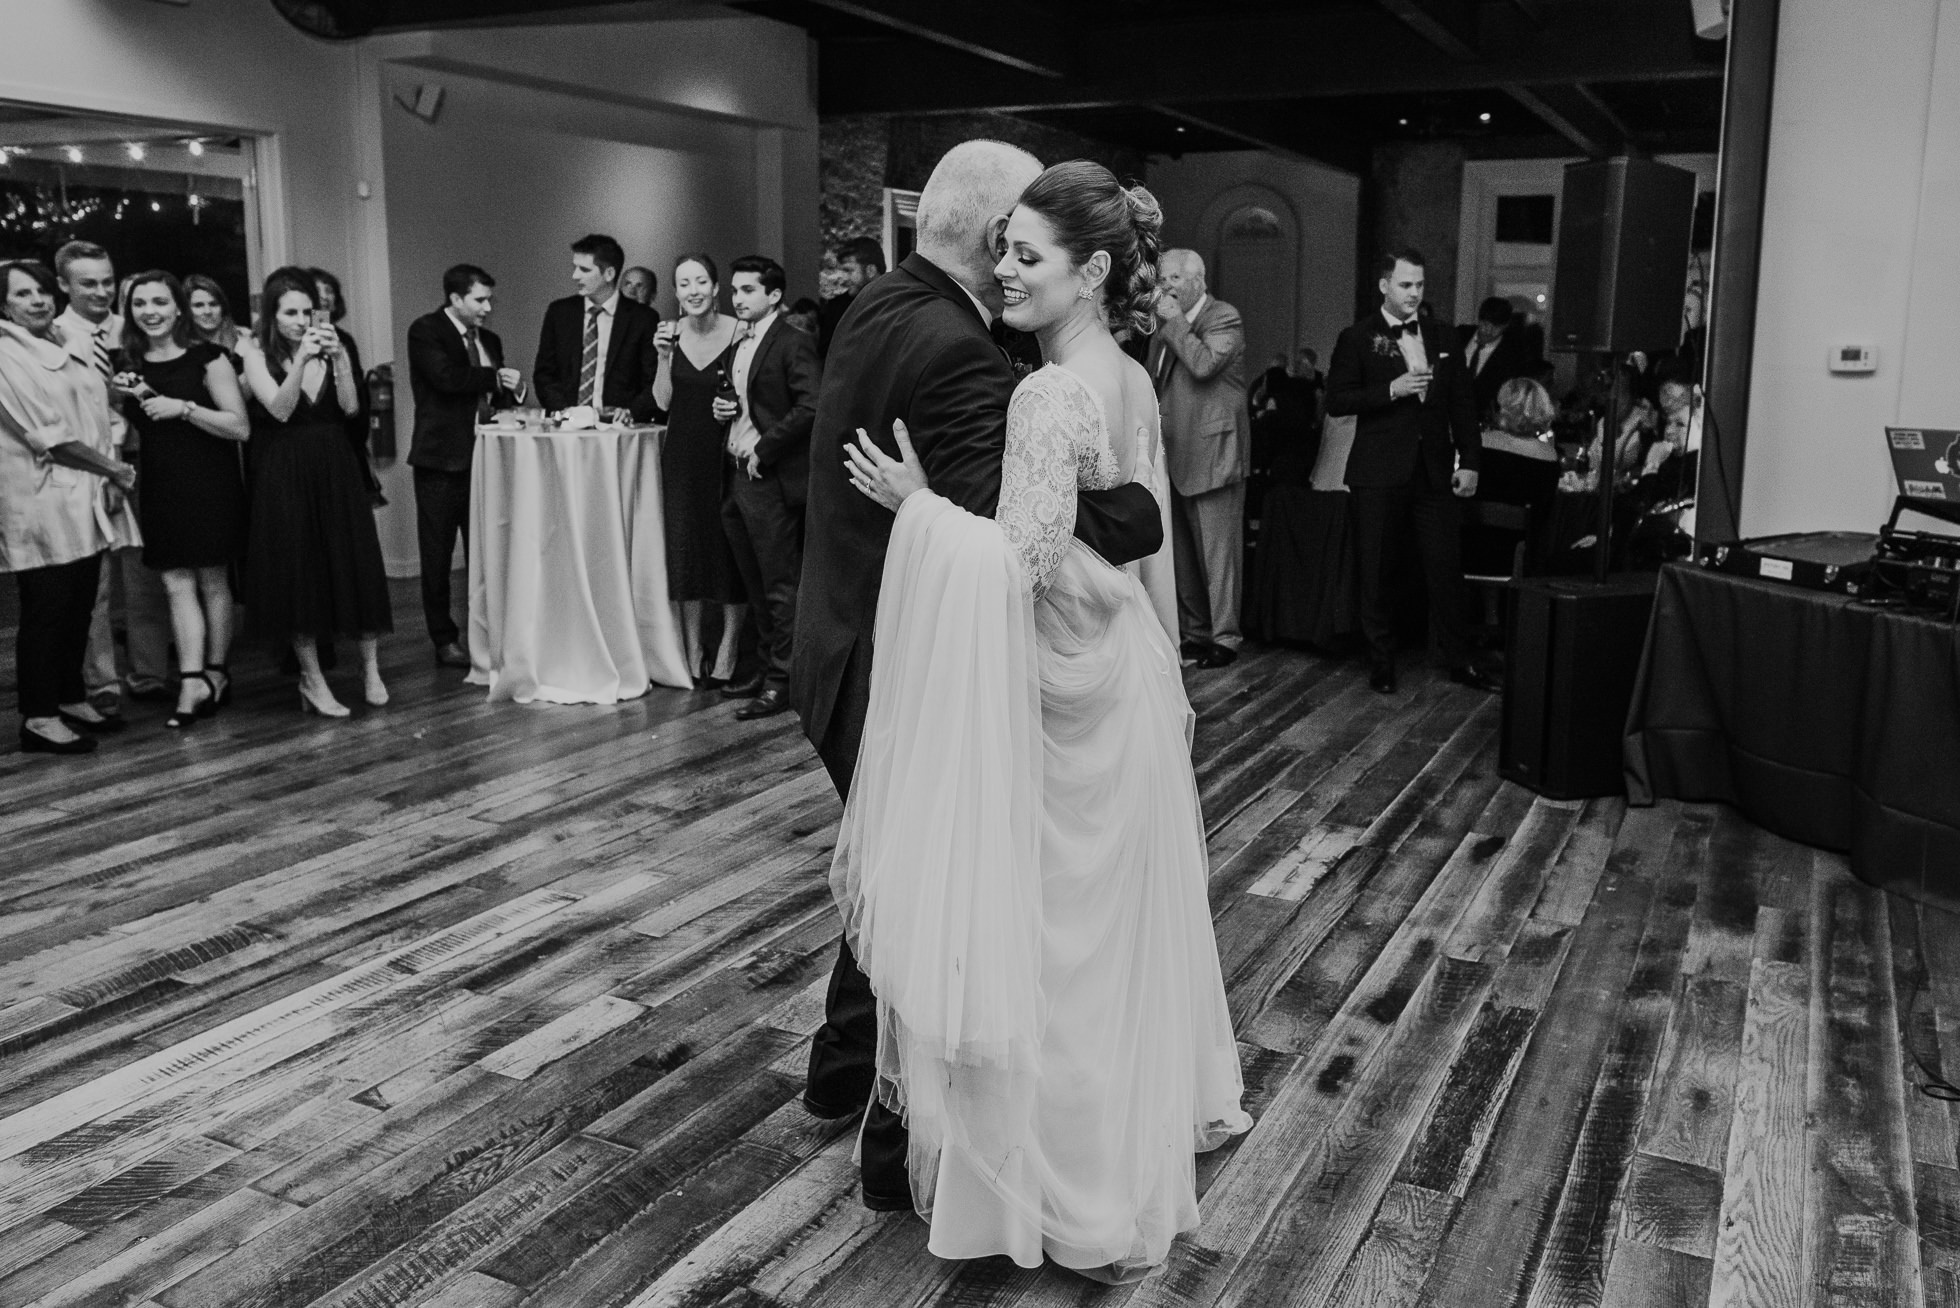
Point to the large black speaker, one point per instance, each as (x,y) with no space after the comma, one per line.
(1574,650)
(1622,268)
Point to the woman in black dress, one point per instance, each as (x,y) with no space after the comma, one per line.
(191,416)
(314,562)
(693,360)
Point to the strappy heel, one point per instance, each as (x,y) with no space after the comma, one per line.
(183,717)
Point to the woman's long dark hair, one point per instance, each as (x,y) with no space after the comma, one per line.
(278,350)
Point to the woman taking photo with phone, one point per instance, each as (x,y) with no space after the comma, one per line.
(314,562)
(185,402)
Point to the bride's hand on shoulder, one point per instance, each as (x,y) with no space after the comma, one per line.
(885,479)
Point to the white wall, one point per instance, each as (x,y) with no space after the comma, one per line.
(1860,216)
(1197,192)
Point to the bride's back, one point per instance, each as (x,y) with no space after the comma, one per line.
(1128,400)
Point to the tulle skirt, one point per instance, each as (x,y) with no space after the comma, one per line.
(1022,875)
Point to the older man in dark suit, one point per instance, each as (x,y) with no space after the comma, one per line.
(596,347)
(1416,451)
(457,376)
(916,347)
(1198,363)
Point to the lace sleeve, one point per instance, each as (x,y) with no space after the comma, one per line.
(1037,483)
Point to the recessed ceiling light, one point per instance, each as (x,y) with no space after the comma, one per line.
(135,151)
(1180,128)
(1483,118)
(74,154)
(196,148)
(1403,121)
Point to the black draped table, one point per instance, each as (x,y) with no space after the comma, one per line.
(1823,720)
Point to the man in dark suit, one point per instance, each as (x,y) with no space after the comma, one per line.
(1416,451)
(1496,349)
(457,376)
(915,347)
(860,259)
(597,346)
(774,370)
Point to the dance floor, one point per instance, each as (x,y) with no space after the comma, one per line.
(476,1006)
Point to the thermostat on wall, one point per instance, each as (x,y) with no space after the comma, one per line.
(1854,358)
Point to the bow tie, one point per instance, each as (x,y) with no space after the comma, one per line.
(1408,328)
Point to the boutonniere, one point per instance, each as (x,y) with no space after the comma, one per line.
(1388,347)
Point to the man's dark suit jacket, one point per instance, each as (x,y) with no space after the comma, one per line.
(447,384)
(1389,434)
(626,375)
(913,348)
(829,314)
(1512,358)
(782,400)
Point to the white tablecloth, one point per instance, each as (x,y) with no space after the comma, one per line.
(568,567)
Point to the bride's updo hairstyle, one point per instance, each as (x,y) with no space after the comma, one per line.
(1089,210)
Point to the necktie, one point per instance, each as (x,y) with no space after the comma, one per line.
(101,340)
(588,368)
(483,405)
(1409,327)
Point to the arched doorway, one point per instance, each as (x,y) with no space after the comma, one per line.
(1257,269)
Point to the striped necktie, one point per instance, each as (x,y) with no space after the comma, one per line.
(588,368)
(483,405)
(100,337)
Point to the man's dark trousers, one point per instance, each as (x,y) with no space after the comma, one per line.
(442,513)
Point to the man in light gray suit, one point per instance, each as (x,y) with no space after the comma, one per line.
(1197,360)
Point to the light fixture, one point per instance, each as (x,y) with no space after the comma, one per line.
(1483,118)
(156,206)
(135,150)
(74,153)
(1403,121)
(196,147)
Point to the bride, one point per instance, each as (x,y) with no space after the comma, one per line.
(1021,868)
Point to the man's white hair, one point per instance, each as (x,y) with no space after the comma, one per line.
(974,182)
(1190,260)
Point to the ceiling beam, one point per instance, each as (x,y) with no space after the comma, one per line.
(1604,110)
(1005,32)
(1284,130)
(1449,25)
(1573,116)
(1273,56)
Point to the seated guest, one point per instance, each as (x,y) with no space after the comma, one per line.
(457,376)
(597,346)
(191,414)
(805,315)
(639,285)
(211,319)
(775,372)
(1495,350)
(860,259)
(1520,468)
(314,562)
(54,524)
(700,562)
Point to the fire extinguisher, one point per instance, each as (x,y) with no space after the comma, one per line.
(381,410)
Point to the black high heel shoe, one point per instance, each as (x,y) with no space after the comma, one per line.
(33,742)
(180,717)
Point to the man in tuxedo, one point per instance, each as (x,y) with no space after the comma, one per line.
(916,347)
(1416,450)
(1495,350)
(1198,363)
(597,346)
(457,376)
(860,259)
(774,370)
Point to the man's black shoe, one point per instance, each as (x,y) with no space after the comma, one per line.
(1381,678)
(747,688)
(829,1112)
(450,654)
(1194,650)
(1476,678)
(1217,656)
(887,1203)
(766,705)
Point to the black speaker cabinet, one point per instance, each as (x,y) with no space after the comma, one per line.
(1623,232)
(1574,650)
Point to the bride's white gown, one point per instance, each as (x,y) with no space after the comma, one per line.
(1022,869)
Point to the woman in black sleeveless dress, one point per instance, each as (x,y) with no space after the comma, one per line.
(700,566)
(314,563)
(191,415)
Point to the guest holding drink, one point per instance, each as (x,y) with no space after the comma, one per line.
(693,363)
(186,403)
(60,488)
(211,319)
(314,566)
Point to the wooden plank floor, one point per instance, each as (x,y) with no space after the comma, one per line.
(476,1006)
